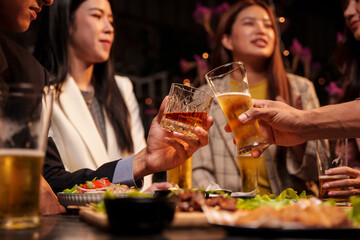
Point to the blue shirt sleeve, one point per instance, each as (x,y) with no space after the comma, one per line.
(124,173)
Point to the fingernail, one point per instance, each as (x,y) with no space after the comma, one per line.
(326,185)
(242,117)
(327,171)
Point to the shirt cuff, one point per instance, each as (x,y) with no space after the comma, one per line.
(124,173)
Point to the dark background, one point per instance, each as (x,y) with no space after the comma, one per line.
(153,35)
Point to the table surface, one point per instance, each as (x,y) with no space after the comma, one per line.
(69,226)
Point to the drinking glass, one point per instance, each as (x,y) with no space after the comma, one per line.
(249,172)
(187,107)
(24,122)
(229,84)
(181,175)
(330,153)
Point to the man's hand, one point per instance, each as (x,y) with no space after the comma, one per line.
(279,123)
(167,150)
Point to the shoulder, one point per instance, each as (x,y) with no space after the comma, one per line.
(297,81)
(124,84)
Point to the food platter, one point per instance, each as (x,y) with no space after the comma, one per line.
(82,199)
(311,233)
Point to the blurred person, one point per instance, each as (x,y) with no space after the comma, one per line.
(17,66)
(96,116)
(348,60)
(248,32)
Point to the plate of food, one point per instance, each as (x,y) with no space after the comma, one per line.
(92,192)
(301,217)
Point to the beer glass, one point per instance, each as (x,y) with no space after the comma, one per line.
(330,153)
(249,172)
(181,175)
(187,107)
(229,84)
(24,122)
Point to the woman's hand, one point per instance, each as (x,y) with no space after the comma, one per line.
(351,185)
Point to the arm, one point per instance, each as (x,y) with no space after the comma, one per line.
(287,126)
(59,179)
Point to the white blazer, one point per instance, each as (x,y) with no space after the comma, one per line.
(75,133)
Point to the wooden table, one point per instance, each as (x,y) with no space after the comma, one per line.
(67,226)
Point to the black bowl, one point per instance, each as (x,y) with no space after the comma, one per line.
(139,215)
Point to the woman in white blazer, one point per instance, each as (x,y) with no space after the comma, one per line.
(95,116)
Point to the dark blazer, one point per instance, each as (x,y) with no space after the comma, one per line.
(60,179)
(18,66)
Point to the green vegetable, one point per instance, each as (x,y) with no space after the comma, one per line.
(89,184)
(100,207)
(355,213)
(72,190)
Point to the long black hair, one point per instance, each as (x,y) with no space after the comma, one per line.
(278,81)
(52,51)
(348,62)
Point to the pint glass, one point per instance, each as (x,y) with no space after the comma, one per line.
(229,84)
(24,122)
(249,172)
(181,175)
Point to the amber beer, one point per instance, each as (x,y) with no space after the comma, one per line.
(181,175)
(184,122)
(247,136)
(249,172)
(20,172)
(323,193)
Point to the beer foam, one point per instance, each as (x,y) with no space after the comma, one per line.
(233,93)
(21,152)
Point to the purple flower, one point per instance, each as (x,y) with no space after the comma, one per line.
(333,90)
(295,47)
(201,14)
(339,37)
(306,55)
(221,8)
(186,66)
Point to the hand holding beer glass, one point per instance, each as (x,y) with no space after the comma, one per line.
(229,84)
(187,107)
(330,154)
(24,121)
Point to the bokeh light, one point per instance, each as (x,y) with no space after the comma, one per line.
(186,82)
(148,101)
(286,53)
(205,55)
(282,19)
(321,81)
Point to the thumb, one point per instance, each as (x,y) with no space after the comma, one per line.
(162,109)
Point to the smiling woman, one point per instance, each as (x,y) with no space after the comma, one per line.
(247,32)
(96,116)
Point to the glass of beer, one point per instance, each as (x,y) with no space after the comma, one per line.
(330,154)
(24,121)
(181,175)
(187,107)
(229,84)
(249,172)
